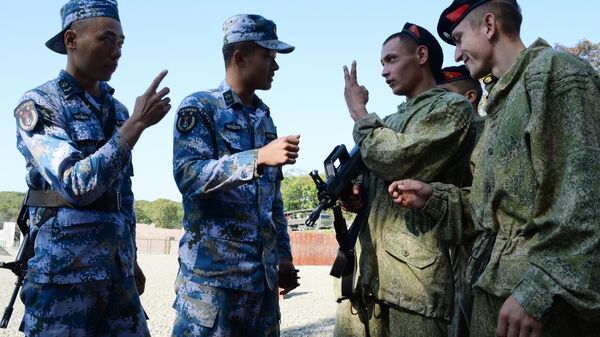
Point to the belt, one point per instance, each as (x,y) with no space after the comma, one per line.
(107,202)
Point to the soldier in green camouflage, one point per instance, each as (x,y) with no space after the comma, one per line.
(535,267)
(404,285)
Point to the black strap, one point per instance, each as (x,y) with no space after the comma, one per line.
(107,202)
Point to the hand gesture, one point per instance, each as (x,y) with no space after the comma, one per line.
(356,95)
(152,106)
(279,152)
(410,193)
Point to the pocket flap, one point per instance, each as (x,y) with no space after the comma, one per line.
(407,248)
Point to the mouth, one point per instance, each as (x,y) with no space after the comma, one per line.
(390,82)
(111,67)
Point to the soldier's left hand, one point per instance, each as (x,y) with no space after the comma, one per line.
(140,278)
(356,95)
(514,321)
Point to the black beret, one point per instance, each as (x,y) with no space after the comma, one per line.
(424,38)
(453,15)
(457,73)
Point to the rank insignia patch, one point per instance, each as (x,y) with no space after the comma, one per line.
(186,118)
(27,115)
(233,126)
(80,116)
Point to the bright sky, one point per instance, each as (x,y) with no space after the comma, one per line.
(185,38)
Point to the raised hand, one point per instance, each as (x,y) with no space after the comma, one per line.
(356,95)
(281,151)
(149,109)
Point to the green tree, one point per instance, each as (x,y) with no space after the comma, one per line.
(585,50)
(298,193)
(10,205)
(165,213)
(141,208)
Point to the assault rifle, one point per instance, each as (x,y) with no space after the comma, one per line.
(341,169)
(19,265)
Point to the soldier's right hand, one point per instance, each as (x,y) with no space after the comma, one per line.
(354,202)
(281,151)
(410,193)
(152,106)
(149,109)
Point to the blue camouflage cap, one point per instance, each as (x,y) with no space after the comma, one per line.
(76,10)
(255,28)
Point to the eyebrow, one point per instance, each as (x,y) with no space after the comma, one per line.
(110,32)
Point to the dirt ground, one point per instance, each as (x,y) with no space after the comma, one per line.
(308,311)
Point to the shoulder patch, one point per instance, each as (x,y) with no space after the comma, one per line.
(27,115)
(233,126)
(186,118)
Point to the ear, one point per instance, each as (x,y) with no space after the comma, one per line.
(70,39)
(422,54)
(471,95)
(490,25)
(238,58)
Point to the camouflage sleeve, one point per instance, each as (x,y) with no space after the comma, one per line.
(49,148)
(284,248)
(450,207)
(195,170)
(392,155)
(565,150)
(127,201)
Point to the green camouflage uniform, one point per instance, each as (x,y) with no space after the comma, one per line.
(401,261)
(535,193)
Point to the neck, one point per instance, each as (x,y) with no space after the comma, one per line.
(88,84)
(427,82)
(506,52)
(237,85)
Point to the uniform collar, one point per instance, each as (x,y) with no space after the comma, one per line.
(504,85)
(69,86)
(230,98)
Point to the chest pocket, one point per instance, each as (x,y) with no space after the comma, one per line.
(87,134)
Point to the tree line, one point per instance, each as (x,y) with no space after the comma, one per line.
(298,193)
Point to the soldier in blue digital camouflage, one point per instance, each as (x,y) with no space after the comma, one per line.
(404,285)
(77,141)
(227,165)
(534,268)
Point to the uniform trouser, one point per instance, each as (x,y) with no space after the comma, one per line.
(95,308)
(385,321)
(206,311)
(561,322)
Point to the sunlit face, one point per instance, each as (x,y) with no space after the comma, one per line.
(97,48)
(260,67)
(473,48)
(401,68)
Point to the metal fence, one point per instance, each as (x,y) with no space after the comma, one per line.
(156,246)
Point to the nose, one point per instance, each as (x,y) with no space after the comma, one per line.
(458,54)
(275,66)
(385,72)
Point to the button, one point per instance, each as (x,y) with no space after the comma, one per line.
(490,151)
(405,252)
(244,175)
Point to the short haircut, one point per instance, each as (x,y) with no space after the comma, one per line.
(81,25)
(464,85)
(245,47)
(408,42)
(507,12)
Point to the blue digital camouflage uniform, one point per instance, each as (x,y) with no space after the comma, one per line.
(235,230)
(60,135)
(535,193)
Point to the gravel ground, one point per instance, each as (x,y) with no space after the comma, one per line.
(307,311)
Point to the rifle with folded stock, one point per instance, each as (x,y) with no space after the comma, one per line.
(341,170)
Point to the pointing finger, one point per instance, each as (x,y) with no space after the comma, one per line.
(156,82)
